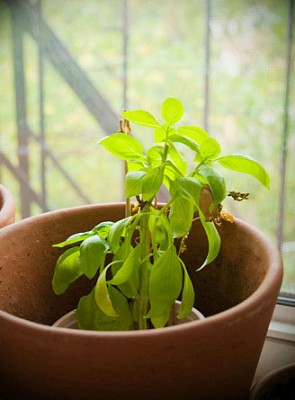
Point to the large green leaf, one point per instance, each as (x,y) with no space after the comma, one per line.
(90,316)
(187,296)
(188,187)
(216,182)
(67,270)
(184,140)
(181,215)
(247,165)
(165,283)
(141,117)
(133,183)
(128,268)
(102,296)
(123,146)
(214,240)
(198,135)
(76,238)
(209,150)
(151,183)
(172,110)
(92,255)
(116,232)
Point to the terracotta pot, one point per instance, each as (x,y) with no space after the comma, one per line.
(201,359)
(7,207)
(278,384)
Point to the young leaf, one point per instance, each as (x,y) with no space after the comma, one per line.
(213,241)
(141,117)
(133,183)
(165,283)
(172,110)
(215,181)
(188,294)
(67,270)
(92,255)
(247,165)
(102,296)
(123,146)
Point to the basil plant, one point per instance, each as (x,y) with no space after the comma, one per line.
(137,261)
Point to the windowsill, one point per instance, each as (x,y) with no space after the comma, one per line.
(279,346)
(282,325)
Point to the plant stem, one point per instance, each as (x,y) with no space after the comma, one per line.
(145,248)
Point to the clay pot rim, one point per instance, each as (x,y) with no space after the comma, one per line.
(235,313)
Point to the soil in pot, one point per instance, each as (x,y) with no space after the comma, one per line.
(69,320)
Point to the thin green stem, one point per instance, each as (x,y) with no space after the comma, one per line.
(145,249)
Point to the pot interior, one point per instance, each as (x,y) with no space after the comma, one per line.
(27,261)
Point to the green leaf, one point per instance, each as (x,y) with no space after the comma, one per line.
(184,140)
(213,241)
(76,238)
(116,232)
(151,183)
(187,187)
(215,181)
(165,283)
(198,135)
(141,117)
(67,270)
(172,110)
(159,226)
(123,146)
(161,133)
(154,154)
(177,159)
(90,316)
(92,255)
(128,268)
(187,296)
(133,183)
(209,150)
(102,296)
(102,229)
(181,215)
(246,165)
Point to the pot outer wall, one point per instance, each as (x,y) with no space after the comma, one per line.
(7,207)
(209,359)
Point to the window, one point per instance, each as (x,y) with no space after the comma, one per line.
(67,71)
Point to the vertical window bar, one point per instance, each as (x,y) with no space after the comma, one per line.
(41,109)
(284,148)
(21,110)
(207,64)
(125,53)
